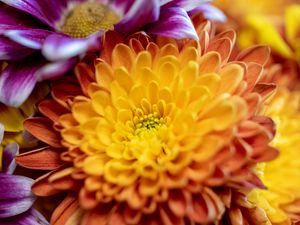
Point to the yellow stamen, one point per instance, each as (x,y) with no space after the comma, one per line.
(87,18)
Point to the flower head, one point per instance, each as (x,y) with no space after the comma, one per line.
(150,133)
(47,43)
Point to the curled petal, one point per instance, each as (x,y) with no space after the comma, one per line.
(140,14)
(10,50)
(8,158)
(55,69)
(17,82)
(30,217)
(174,22)
(31,38)
(59,47)
(210,12)
(47,11)
(43,159)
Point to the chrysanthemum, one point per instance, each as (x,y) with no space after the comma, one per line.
(281,200)
(281,33)
(153,132)
(61,30)
(16,198)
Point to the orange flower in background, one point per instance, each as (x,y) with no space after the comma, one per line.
(153,131)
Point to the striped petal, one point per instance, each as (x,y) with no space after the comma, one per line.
(15,195)
(47,11)
(17,82)
(139,14)
(175,23)
(30,217)
(8,158)
(60,47)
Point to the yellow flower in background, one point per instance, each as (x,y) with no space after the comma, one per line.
(281,176)
(267,30)
(237,9)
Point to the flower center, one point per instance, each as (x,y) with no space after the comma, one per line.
(148,124)
(87,18)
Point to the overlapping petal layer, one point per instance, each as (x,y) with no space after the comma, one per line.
(153,131)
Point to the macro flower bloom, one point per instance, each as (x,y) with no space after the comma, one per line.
(44,38)
(16,198)
(281,200)
(153,131)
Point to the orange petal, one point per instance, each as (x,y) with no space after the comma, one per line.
(167,217)
(66,89)
(42,187)
(136,45)
(258,54)
(236,216)
(43,159)
(98,216)
(117,218)
(52,109)
(62,180)
(265,89)
(209,63)
(64,211)
(132,216)
(253,75)
(231,34)
(85,76)
(87,199)
(223,46)
(122,55)
(177,203)
(110,40)
(42,129)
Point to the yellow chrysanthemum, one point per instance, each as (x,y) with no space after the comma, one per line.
(281,176)
(266,30)
(152,131)
(237,9)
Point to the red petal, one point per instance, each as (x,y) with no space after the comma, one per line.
(41,128)
(85,76)
(43,159)
(52,109)
(64,211)
(223,46)
(265,90)
(258,54)
(42,187)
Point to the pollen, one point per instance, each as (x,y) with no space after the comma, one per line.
(87,18)
(147,123)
